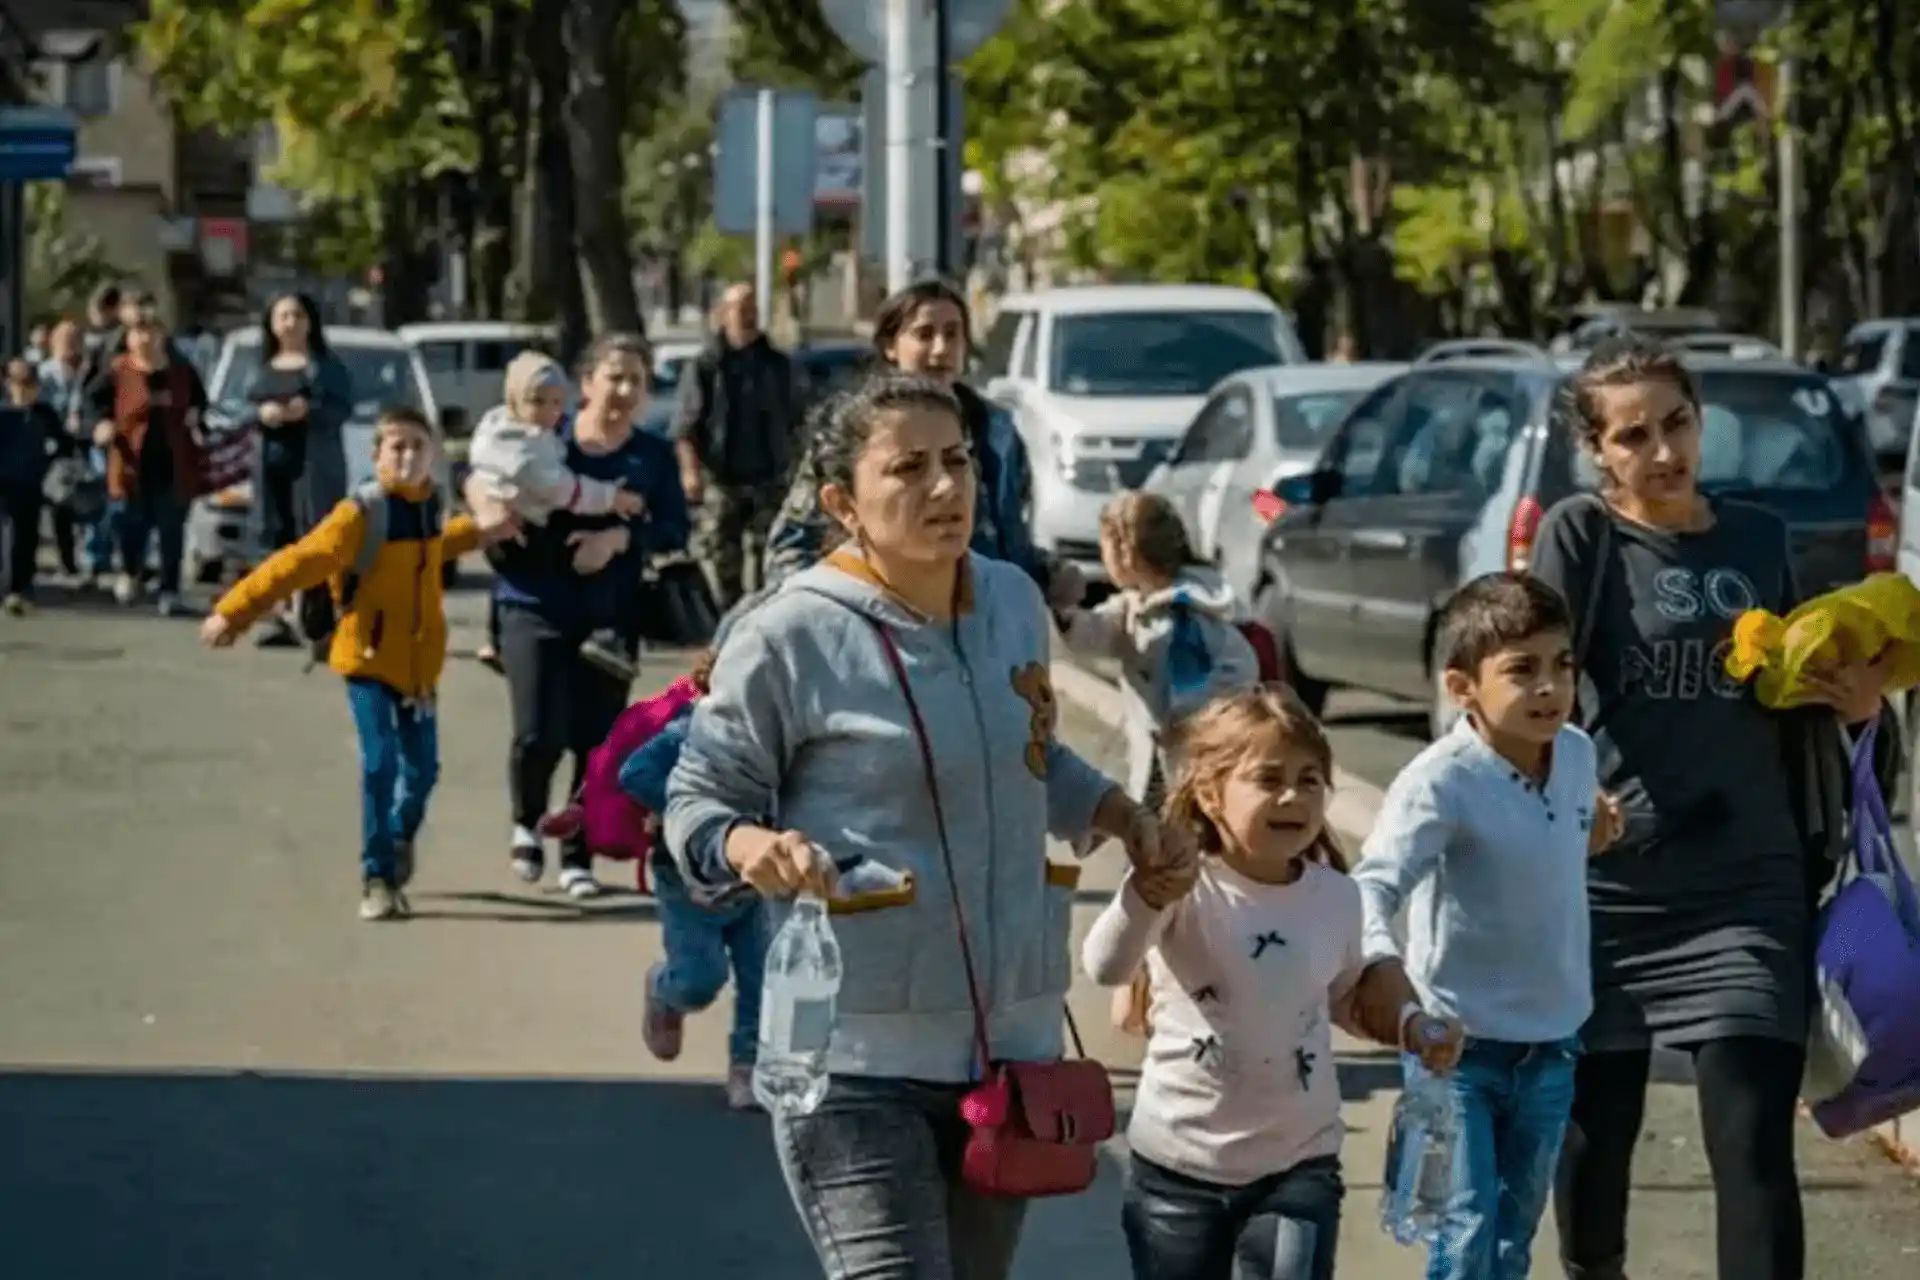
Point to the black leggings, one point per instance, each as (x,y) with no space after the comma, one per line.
(1748,1088)
(561,703)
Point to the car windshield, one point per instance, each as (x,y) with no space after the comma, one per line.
(1303,421)
(1159,353)
(382,377)
(1769,431)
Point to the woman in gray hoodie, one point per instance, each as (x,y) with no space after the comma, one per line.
(803,761)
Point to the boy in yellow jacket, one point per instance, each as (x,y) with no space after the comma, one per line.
(390,641)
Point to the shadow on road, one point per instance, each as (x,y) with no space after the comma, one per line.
(316,1178)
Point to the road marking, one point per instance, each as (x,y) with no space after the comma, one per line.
(1355,804)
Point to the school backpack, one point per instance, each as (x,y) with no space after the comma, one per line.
(613,823)
(319,612)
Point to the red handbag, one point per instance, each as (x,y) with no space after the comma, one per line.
(1036,1125)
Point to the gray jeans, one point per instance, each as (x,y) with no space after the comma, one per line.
(875,1175)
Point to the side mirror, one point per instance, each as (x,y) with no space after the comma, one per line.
(453,420)
(1002,390)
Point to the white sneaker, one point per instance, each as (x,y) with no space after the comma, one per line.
(126,588)
(576,883)
(378,901)
(169,604)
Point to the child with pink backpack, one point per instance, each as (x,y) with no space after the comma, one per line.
(706,940)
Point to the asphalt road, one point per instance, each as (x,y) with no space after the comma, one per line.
(210,1068)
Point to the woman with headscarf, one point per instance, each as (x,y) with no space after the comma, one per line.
(297,400)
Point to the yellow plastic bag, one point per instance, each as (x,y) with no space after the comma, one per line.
(1853,623)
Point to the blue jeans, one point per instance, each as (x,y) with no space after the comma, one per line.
(701,943)
(1514,1100)
(399,763)
(138,519)
(103,534)
(875,1174)
(1285,1226)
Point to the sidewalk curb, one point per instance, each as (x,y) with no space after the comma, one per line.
(1355,804)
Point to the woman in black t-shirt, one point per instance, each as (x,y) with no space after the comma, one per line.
(297,400)
(1703,924)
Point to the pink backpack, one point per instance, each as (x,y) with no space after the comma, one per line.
(614,823)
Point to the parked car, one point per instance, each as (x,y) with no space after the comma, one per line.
(832,365)
(1880,364)
(1102,379)
(466,361)
(1256,429)
(385,370)
(1444,473)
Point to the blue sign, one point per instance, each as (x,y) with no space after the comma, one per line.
(37,144)
(735,167)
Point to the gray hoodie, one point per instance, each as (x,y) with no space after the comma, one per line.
(1137,632)
(806,729)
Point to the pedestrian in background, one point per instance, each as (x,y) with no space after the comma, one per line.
(147,408)
(298,400)
(1172,625)
(734,434)
(390,645)
(30,435)
(576,575)
(924,329)
(63,384)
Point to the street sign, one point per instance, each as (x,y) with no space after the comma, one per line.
(794,158)
(862,24)
(37,144)
(873,169)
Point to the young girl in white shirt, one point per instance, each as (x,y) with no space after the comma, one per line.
(1252,955)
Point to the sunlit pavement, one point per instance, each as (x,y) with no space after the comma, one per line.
(210,1068)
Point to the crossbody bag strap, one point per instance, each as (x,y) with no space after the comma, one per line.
(981,1043)
(946,853)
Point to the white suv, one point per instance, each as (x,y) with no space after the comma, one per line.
(1103,379)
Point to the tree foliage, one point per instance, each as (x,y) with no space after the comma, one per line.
(1475,164)
(361,90)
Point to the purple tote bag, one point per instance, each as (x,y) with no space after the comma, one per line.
(1863,1056)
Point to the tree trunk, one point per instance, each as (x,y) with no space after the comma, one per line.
(501,157)
(589,31)
(403,268)
(550,267)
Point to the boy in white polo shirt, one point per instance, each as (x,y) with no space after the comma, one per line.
(1484,839)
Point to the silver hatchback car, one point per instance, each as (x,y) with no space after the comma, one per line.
(1255,429)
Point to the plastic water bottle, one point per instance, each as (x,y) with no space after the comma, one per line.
(797,1004)
(1419,1180)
